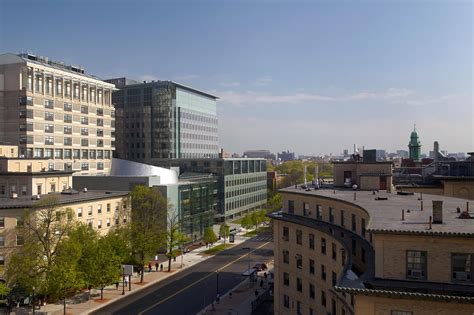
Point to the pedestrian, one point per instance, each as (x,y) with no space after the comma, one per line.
(126,281)
(161,267)
(256,293)
(261,283)
(156,266)
(116,285)
(149,267)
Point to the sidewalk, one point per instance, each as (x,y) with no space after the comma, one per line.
(240,302)
(112,294)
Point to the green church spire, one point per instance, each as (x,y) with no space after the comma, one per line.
(414,146)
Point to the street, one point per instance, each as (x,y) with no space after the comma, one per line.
(192,289)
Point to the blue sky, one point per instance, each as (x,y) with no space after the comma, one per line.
(308,76)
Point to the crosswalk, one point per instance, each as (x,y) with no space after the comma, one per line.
(263,238)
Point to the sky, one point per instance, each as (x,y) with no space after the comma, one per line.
(312,77)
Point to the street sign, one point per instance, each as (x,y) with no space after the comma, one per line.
(127,270)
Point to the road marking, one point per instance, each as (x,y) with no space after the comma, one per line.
(197,281)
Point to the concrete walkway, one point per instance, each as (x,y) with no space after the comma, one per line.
(112,294)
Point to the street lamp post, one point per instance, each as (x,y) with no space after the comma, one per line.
(123,280)
(33,300)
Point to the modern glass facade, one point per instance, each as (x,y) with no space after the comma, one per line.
(241,185)
(164,120)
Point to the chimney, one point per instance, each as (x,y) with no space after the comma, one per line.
(437,211)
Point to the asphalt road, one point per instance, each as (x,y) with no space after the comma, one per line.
(192,289)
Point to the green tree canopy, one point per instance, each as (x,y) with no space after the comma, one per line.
(247,222)
(209,235)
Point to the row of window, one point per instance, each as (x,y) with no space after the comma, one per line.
(245,190)
(245,180)
(194,136)
(312,295)
(198,117)
(71,153)
(199,146)
(245,201)
(331,215)
(49,104)
(43,83)
(199,128)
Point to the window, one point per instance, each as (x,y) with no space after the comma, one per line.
(89,210)
(49,128)
(323,246)
(286,233)
(2,222)
(299,285)
(85,166)
(108,222)
(79,212)
(311,266)
(100,122)
(28,100)
(334,251)
(99,209)
(84,142)
(58,153)
(311,241)
(84,120)
(67,107)
(353,222)
(318,212)
(49,116)
(49,140)
(84,109)
(99,224)
(108,207)
(2,260)
(331,215)
(306,209)
(100,142)
(100,112)
(67,118)
(299,261)
(323,272)
(416,265)
(53,188)
(401,313)
(334,278)
(323,298)
(286,257)
(298,308)
(286,301)
(68,141)
(462,267)
(299,237)
(362,227)
(100,133)
(2,241)
(312,291)
(84,131)
(48,104)
(20,241)
(286,279)
(291,206)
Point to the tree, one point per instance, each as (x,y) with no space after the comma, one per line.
(255,218)
(43,230)
(246,222)
(263,215)
(224,231)
(274,203)
(106,265)
(4,289)
(209,235)
(174,237)
(148,223)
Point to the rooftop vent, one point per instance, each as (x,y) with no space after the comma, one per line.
(437,211)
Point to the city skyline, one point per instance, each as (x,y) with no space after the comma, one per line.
(284,73)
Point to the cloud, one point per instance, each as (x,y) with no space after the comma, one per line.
(229,84)
(264,81)
(252,98)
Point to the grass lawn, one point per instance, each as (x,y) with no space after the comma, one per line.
(257,231)
(214,250)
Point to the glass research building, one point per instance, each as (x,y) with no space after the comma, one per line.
(164,120)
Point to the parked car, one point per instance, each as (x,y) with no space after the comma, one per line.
(260,266)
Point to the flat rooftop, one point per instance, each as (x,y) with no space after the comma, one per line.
(63,198)
(386,215)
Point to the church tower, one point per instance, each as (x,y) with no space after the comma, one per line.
(414,146)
